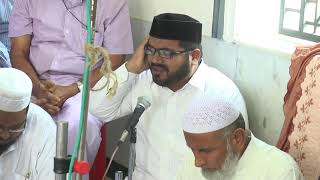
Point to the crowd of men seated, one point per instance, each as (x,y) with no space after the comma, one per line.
(196,128)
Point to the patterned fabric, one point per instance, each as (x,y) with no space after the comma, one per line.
(15,88)
(208,114)
(304,139)
(4,56)
(5,11)
(300,132)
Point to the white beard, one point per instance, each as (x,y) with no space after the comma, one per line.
(228,169)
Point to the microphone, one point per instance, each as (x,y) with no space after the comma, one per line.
(143,103)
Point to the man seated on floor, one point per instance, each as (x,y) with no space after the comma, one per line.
(215,132)
(27,132)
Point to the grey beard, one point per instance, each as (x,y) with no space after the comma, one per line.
(228,169)
(5,146)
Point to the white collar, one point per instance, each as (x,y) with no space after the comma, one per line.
(243,161)
(197,79)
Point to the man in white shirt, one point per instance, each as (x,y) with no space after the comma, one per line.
(27,132)
(224,150)
(168,68)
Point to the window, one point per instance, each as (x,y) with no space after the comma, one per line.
(300,19)
(256,23)
(218,19)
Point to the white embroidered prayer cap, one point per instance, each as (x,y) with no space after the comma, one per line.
(207,114)
(15,90)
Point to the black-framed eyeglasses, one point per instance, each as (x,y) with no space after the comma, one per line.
(163,52)
(16,130)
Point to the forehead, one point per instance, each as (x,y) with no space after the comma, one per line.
(8,119)
(163,43)
(204,139)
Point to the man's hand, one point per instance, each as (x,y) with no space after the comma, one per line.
(137,63)
(51,97)
(45,98)
(20,48)
(64,93)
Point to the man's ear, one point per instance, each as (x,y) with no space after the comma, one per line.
(195,56)
(238,140)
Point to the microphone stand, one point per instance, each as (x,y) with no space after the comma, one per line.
(61,160)
(91,7)
(132,153)
(130,129)
(82,145)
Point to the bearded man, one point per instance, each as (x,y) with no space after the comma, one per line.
(27,132)
(168,68)
(224,150)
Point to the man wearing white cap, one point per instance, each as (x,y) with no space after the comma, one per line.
(27,132)
(215,132)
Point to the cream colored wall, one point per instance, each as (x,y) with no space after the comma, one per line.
(201,10)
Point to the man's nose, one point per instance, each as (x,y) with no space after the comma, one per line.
(5,135)
(199,162)
(156,57)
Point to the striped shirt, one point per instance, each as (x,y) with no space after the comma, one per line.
(4,56)
(5,11)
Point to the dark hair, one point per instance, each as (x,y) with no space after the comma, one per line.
(239,123)
(190,46)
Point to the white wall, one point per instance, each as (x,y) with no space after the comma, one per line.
(201,10)
(261,77)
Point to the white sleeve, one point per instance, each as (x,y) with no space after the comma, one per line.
(292,173)
(110,108)
(44,165)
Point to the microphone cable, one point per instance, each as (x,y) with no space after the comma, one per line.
(110,161)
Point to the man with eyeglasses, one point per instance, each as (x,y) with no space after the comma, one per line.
(27,132)
(169,69)
(48,43)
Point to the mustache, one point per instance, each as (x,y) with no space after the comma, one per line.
(5,145)
(7,142)
(159,66)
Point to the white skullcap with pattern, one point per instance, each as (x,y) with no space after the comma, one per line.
(208,114)
(15,90)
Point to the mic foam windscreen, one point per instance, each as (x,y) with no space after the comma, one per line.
(144,101)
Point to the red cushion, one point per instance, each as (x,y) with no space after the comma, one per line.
(99,165)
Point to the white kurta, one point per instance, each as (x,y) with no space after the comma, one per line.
(260,161)
(160,146)
(31,157)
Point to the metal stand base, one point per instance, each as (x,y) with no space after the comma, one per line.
(132,155)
